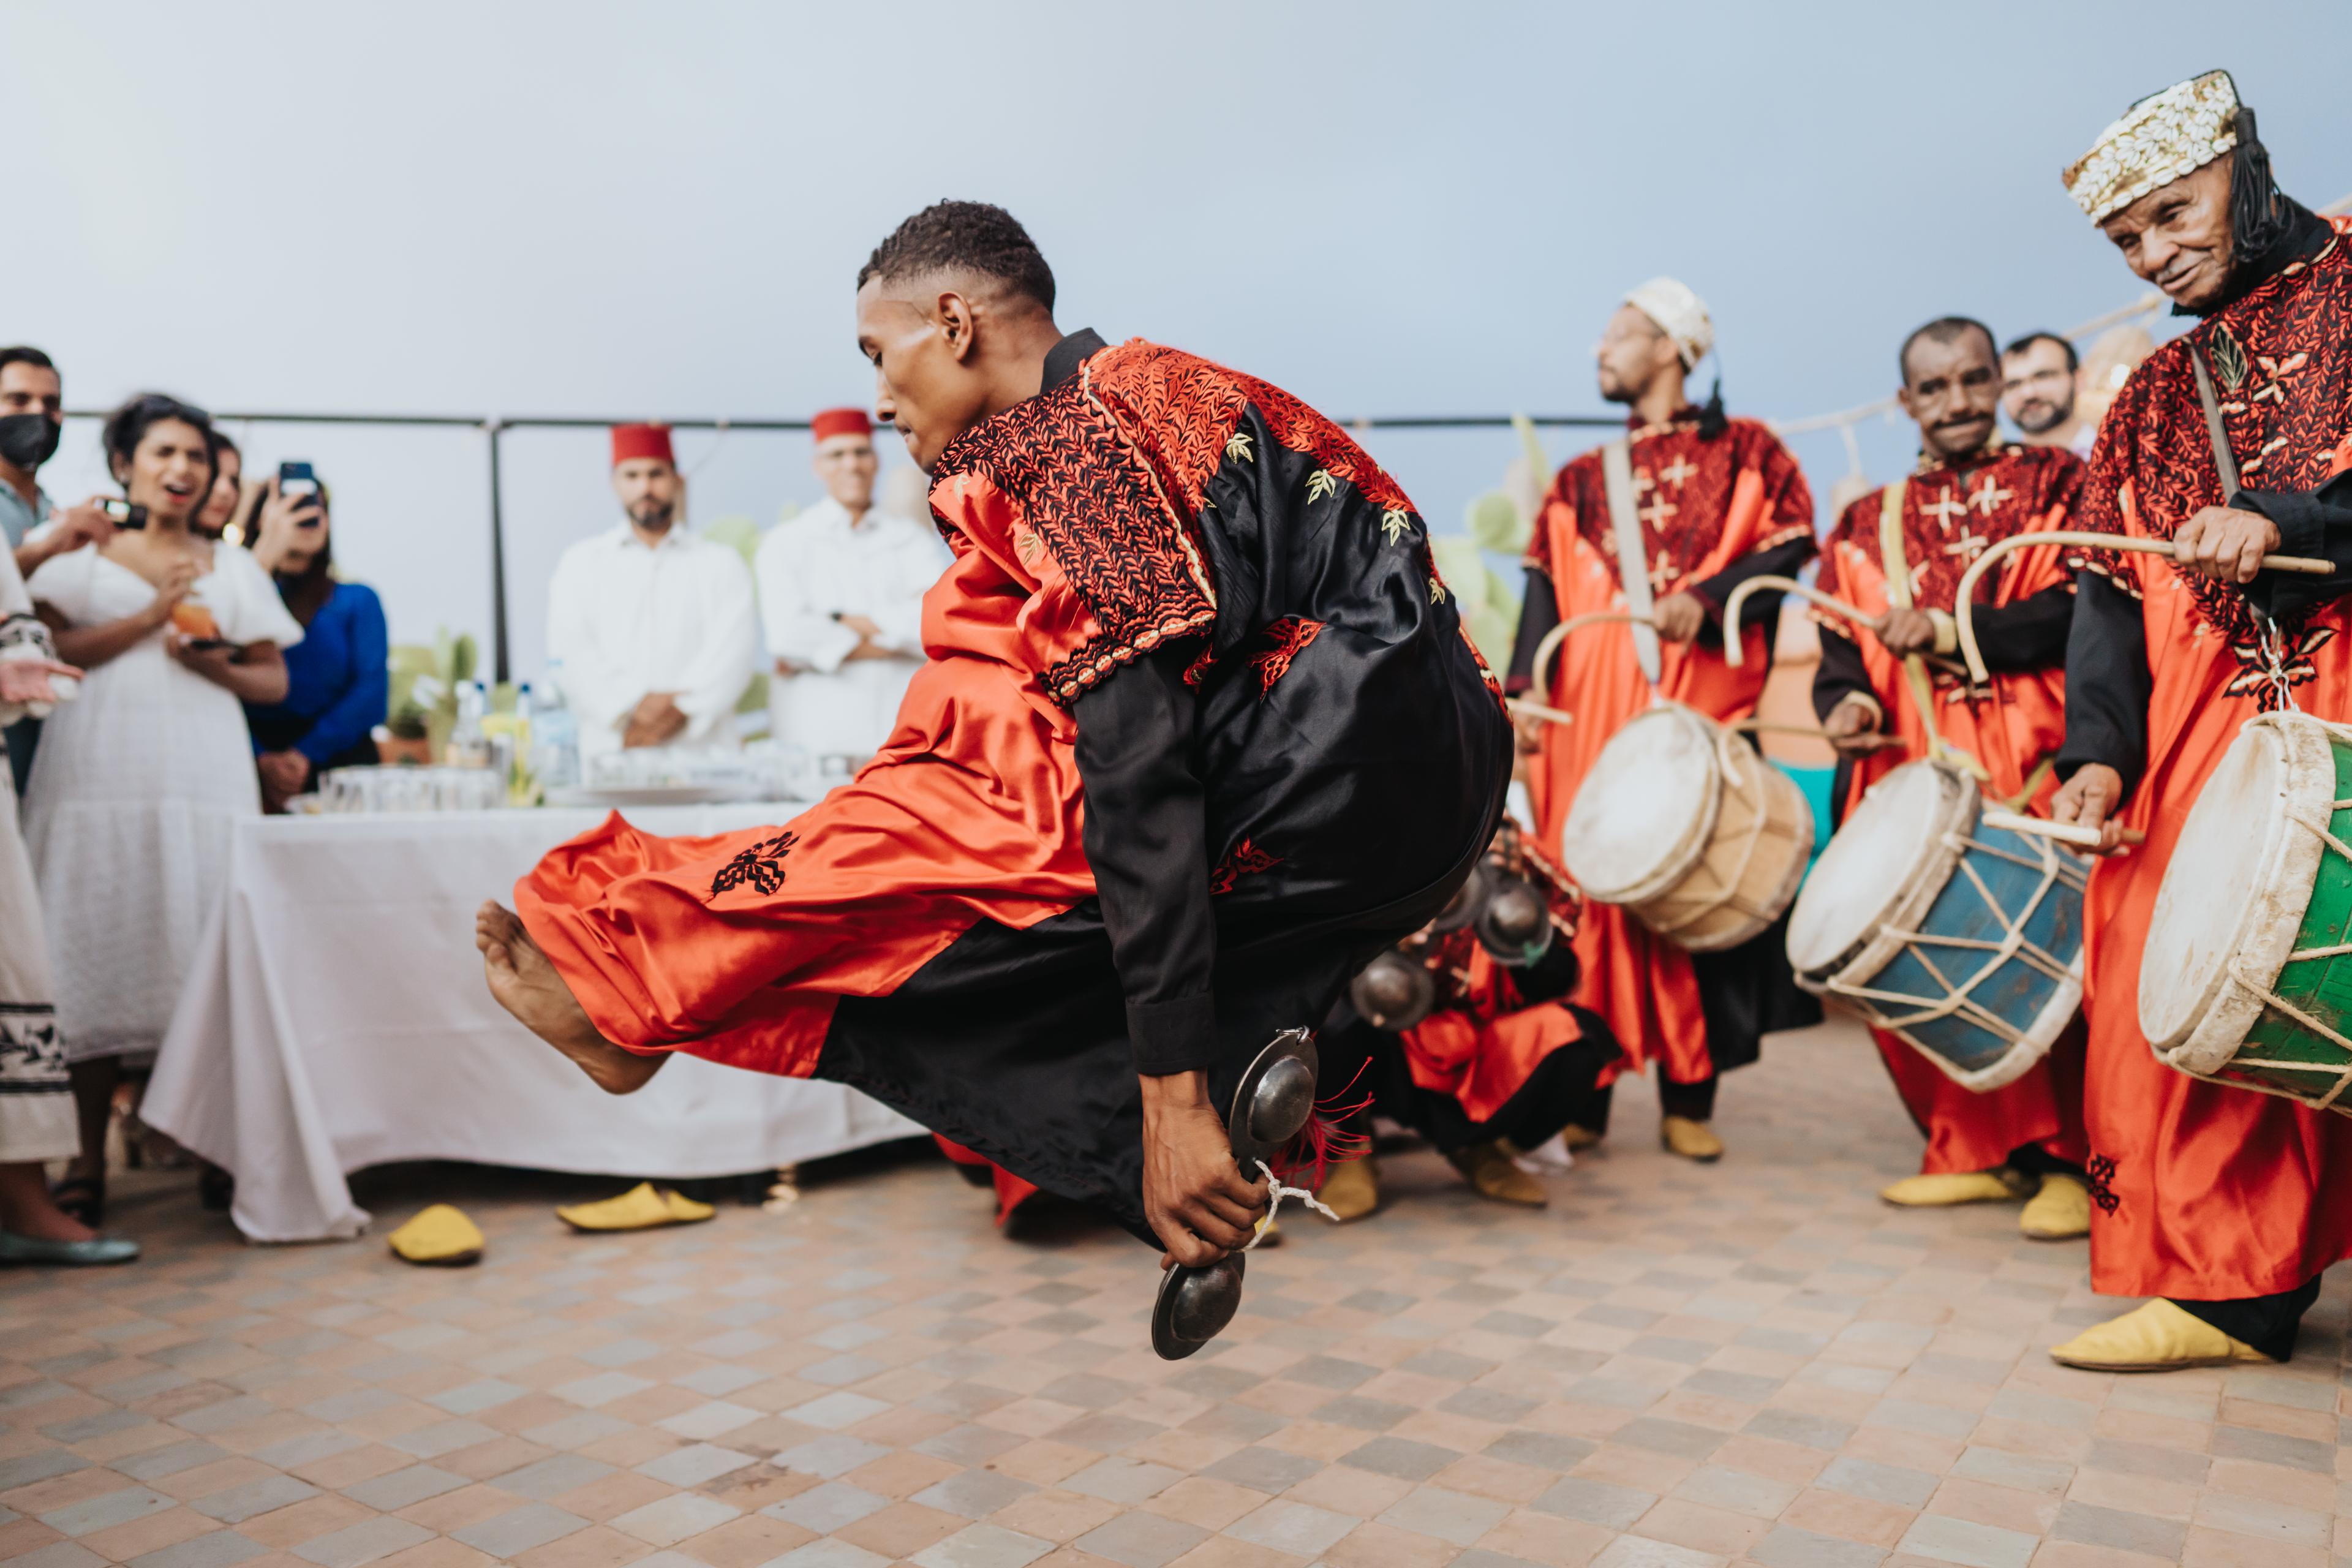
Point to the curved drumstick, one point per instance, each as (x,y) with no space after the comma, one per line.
(1549,646)
(1915,669)
(1739,601)
(1774,727)
(1965,596)
(2064,832)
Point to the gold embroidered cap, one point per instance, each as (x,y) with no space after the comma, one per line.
(2160,138)
(1679,313)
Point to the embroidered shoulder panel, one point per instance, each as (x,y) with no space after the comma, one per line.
(1682,487)
(1097,503)
(1953,513)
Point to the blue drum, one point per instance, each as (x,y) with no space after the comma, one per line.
(1962,938)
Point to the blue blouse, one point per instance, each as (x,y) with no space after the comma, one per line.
(338,685)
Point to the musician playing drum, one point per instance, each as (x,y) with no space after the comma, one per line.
(2225,1203)
(1698,503)
(1898,552)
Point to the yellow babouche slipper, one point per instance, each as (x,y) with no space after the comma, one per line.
(1691,1140)
(1495,1175)
(1577,1138)
(439,1237)
(642,1207)
(1947,1188)
(2060,1211)
(1352,1189)
(2157,1337)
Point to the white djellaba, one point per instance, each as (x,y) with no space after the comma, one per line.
(36,1107)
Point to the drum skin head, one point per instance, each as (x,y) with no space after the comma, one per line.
(1643,812)
(2235,890)
(1889,852)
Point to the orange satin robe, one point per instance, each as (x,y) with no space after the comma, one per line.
(2205,1192)
(1705,504)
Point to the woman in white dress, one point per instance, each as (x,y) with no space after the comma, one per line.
(36,1108)
(138,785)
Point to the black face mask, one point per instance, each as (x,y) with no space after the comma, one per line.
(28,440)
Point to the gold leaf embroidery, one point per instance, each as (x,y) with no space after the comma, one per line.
(1322,485)
(2229,358)
(1237,448)
(1394,521)
(1437,592)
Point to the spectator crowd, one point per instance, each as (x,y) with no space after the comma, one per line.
(183,654)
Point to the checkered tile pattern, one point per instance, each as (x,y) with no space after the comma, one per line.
(1754,1362)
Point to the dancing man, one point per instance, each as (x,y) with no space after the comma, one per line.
(2222,1203)
(1198,735)
(1702,503)
(1500,1059)
(1899,553)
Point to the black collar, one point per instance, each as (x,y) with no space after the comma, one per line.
(2306,234)
(1062,360)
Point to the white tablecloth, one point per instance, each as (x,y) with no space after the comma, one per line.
(337,1019)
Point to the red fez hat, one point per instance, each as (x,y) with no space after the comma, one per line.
(834,422)
(642,441)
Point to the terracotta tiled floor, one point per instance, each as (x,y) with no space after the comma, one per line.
(1754,1362)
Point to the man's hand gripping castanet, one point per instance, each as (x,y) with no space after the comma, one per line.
(1194,1198)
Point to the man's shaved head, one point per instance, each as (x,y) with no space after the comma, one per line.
(1946,330)
(973,239)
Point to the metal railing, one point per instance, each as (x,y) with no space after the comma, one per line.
(494,425)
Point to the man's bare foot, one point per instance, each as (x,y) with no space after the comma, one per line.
(526,986)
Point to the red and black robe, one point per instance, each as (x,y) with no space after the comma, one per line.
(2205,1193)
(1714,512)
(1198,733)
(1952,512)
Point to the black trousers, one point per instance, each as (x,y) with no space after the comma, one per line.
(1692,1102)
(2266,1322)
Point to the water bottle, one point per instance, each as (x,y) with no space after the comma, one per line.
(554,734)
(469,746)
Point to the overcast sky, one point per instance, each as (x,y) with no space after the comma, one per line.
(534,208)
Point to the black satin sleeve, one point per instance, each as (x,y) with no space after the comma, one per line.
(2029,634)
(1146,839)
(1840,675)
(1762,608)
(2310,523)
(1539,613)
(2108,682)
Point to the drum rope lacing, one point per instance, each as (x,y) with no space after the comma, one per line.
(1719,889)
(2056,866)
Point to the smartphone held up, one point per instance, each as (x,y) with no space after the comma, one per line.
(297,481)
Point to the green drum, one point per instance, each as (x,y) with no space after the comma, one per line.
(2246,978)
